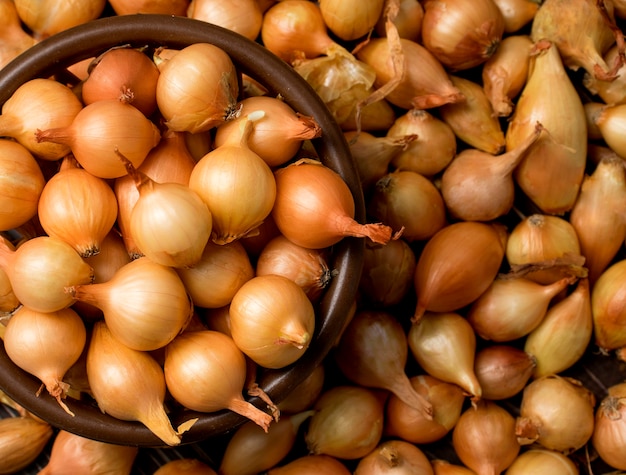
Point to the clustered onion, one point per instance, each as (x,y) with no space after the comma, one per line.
(488,136)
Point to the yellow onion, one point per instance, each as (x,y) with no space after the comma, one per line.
(373,352)
(77,207)
(443,467)
(611,121)
(39,104)
(545,246)
(472,119)
(511,308)
(128,384)
(350,20)
(607,307)
(311,465)
(21,184)
(462,33)
(478,186)
(394,456)
(347,423)
(242,16)
(517,13)
(168,7)
(505,73)
(22,440)
(582,30)
(71,452)
(433,148)
(484,438)
(444,345)
(456,265)
(502,370)
(8,300)
(185,466)
(608,432)
(145,304)
(592,110)
(407,22)
(33,342)
(197,88)
(100,129)
(218,275)
(408,201)
(14,40)
(272,320)
(557,413)
(388,270)
(236,184)
(403,421)
(125,74)
(424,84)
(552,171)
(205,371)
(540,461)
(612,90)
(304,395)
(47,17)
(40,269)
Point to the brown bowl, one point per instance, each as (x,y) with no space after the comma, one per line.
(56,53)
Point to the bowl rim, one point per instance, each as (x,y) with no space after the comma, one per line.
(61,50)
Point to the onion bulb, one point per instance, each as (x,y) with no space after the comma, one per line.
(443,467)
(503,370)
(185,466)
(457,265)
(168,7)
(311,465)
(77,207)
(272,320)
(33,342)
(608,432)
(407,22)
(304,395)
(607,307)
(22,440)
(241,16)
(145,304)
(128,384)
(394,456)
(517,13)
(484,438)
(350,20)
(373,352)
(197,88)
(71,452)
(347,423)
(205,371)
(314,207)
(611,91)
(14,40)
(611,120)
(542,461)
(462,34)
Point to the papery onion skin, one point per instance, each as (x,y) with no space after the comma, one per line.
(608,435)
(612,91)
(394,456)
(21,184)
(611,121)
(462,34)
(14,39)
(408,21)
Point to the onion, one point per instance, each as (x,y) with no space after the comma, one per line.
(221,271)
(611,91)
(462,34)
(564,334)
(537,461)
(168,7)
(236,184)
(125,74)
(242,16)
(197,88)
(39,104)
(444,345)
(100,129)
(311,465)
(71,452)
(272,320)
(14,40)
(517,13)
(425,83)
(456,265)
(304,395)
(314,207)
(205,371)
(40,269)
(128,384)
(22,440)
(145,304)
(185,466)
(608,432)
(484,438)
(552,171)
(21,184)
(395,457)
(373,352)
(306,267)
(556,413)
(8,300)
(251,451)
(434,147)
(408,202)
(607,307)
(347,423)
(278,135)
(443,467)
(611,122)
(502,370)
(77,207)
(350,20)
(411,425)
(408,20)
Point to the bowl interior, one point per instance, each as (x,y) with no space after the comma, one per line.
(60,51)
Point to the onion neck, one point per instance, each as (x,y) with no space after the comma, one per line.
(159,424)
(244,408)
